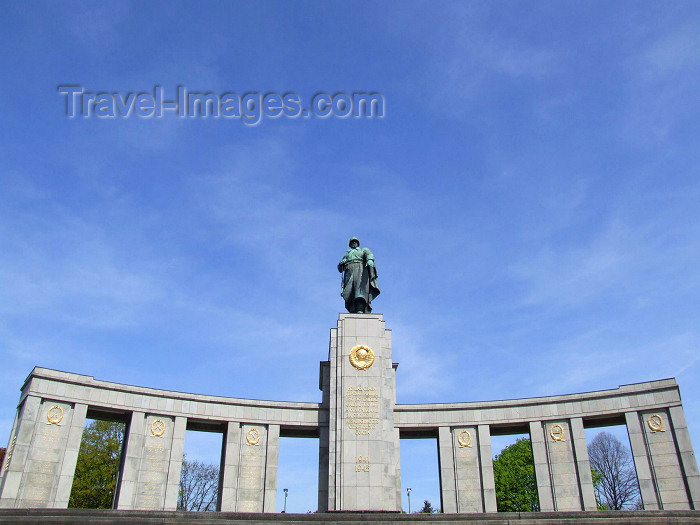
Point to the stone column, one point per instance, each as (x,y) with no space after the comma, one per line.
(131,460)
(362,439)
(446,463)
(17,454)
(257,470)
(664,460)
(487,480)
(583,464)
(687,456)
(271,461)
(397,464)
(539,458)
(44,451)
(70,456)
(647,487)
(153,459)
(562,465)
(228,476)
(177,449)
(465,443)
(331,485)
(323,439)
(323,461)
(466,469)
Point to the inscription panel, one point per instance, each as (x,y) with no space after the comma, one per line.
(155,460)
(46,454)
(562,465)
(664,460)
(467,472)
(362,409)
(251,468)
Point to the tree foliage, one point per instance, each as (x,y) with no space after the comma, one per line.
(597,478)
(97,466)
(614,479)
(514,477)
(427,508)
(199,486)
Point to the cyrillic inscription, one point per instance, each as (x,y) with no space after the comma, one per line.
(153,471)
(251,473)
(362,409)
(50,434)
(37,493)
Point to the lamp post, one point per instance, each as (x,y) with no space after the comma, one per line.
(286,491)
(408,493)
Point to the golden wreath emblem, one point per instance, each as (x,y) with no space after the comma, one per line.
(557,432)
(464,438)
(55,415)
(158,428)
(252,436)
(656,424)
(361,357)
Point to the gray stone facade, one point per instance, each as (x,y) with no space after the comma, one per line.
(466,469)
(358,424)
(150,477)
(363,444)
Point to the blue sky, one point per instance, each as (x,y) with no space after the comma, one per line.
(531,196)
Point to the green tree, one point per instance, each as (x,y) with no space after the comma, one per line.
(98,466)
(514,476)
(597,479)
(427,508)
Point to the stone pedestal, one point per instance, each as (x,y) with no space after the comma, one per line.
(362,444)
(666,468)
(42,454)
(150,477)
(466,469)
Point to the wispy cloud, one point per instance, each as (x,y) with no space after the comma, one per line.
(663,77)
(97,26)
(468,55)
(424,368)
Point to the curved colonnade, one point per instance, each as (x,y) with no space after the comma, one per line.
(43,446)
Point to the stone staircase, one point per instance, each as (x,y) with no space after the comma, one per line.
(121,517)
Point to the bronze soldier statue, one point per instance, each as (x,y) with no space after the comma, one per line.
(359,285)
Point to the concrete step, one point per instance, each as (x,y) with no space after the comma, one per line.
(123,517)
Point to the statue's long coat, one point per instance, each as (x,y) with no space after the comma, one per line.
(359,279)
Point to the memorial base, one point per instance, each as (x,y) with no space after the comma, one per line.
(360,450)
(120,517)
